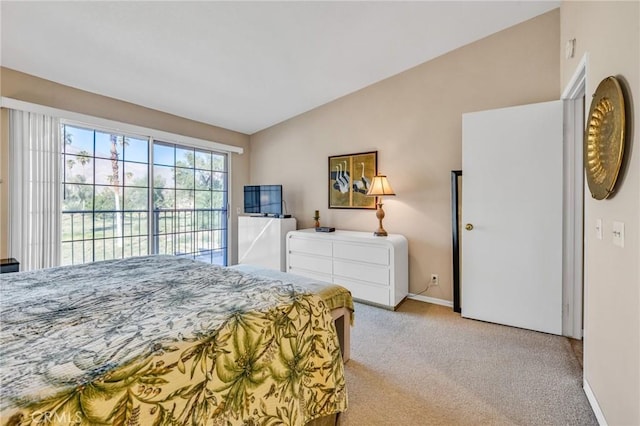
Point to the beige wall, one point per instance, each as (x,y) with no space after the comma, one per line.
(414,122)
(610,33)
(28,88)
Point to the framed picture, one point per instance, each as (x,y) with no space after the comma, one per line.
(349,180)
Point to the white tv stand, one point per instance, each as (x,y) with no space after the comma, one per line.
(261,240)
(374,269)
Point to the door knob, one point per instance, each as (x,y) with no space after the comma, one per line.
(468,227)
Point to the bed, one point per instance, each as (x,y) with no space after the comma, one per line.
(159,340)
(337,298)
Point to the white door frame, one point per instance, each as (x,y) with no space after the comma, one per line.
(573,279)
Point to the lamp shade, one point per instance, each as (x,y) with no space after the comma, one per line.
(380,186)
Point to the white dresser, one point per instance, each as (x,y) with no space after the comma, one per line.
(374,269)
(261,241)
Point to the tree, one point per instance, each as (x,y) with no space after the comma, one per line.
(194,173)
(84,157)
(76,196)
(159,200)
(114,179)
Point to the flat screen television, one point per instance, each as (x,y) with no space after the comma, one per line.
(263,200)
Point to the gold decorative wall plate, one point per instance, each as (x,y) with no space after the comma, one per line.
(604,138)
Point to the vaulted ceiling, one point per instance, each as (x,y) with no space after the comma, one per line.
(244,66)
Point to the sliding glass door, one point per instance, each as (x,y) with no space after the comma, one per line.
(127,195)
(190,202)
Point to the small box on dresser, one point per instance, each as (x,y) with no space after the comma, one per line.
(374,269)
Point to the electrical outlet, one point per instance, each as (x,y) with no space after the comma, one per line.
(435,279)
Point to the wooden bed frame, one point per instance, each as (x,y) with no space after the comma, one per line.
(342,319)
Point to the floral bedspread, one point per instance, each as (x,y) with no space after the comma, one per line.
(161,340)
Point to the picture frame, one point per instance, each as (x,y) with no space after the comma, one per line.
(349,178)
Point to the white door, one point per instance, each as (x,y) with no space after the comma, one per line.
(512,197)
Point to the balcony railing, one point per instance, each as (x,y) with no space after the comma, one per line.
(100,235)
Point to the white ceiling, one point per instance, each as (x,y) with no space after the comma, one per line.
(244,66)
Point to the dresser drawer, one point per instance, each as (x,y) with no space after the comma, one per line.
(365,291)
(370,273)
(310,274)
(310,263)
(316,247)
(361,253)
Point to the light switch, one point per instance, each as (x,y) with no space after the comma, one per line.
(599,228)
(618,234)
(569,48)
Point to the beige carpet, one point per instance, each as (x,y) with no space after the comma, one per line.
(425,365)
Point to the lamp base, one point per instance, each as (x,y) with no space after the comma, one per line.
(380,215)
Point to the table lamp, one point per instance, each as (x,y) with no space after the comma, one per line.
(379,188)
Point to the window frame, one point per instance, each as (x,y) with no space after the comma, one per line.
(160,137)
(175,188)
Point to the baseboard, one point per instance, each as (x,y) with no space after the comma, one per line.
(428,299)
(594,403)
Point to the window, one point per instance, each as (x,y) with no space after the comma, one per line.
(115,205)
(190,202)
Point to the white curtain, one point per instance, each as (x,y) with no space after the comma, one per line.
(34,190)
